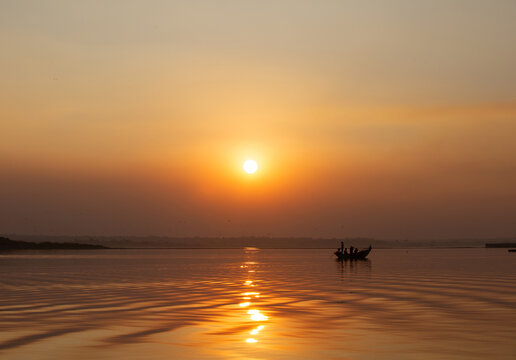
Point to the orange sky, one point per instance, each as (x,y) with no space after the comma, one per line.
(388,119)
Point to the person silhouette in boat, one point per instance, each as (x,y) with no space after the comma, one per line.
(351,250)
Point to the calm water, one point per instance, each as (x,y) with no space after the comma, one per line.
(258,304)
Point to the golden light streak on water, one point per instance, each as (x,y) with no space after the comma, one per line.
(257,330)
(257,316)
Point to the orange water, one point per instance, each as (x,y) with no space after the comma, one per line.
(258,304)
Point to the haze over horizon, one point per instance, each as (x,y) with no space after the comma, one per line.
(382,119)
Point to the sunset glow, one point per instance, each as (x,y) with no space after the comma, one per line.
(151,120)
(249,179)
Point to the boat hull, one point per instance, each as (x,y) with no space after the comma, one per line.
(361,255)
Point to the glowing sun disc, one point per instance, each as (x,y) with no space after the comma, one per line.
(250,166)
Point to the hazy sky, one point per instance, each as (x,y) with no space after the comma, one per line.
(388,119)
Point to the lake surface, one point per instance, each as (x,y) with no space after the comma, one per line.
(258,304)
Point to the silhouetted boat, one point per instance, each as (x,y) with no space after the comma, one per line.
(511,250)
(361,255)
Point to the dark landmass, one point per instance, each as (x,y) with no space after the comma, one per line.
(163,242)
(500,245)
(8,244)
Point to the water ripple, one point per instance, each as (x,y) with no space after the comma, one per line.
(261,304)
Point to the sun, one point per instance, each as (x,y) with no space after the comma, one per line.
(250,166)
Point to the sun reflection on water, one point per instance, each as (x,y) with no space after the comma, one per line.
(257,330)
(257,316)
(254,314)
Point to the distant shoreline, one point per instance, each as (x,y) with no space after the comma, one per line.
(501,245)
(7,244)
(89,247)
(42,242)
